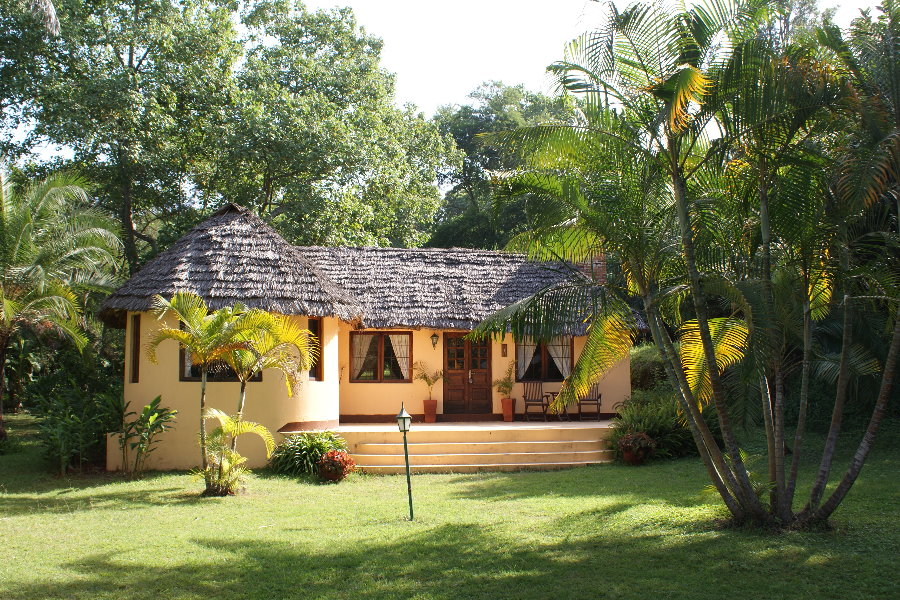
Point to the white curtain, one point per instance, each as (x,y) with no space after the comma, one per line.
(525,354)
(400,343)
(560,349)
(361,344)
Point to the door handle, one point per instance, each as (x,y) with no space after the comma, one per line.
(470,375)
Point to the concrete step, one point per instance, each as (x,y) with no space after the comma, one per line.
(518,458)
(497,447)
(479,468)
(522,433)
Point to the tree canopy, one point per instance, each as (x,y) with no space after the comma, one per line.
(173,106)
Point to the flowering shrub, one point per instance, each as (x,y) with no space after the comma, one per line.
(299,454)
(335,465)
(637,443)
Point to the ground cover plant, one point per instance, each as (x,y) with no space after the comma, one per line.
(603,532)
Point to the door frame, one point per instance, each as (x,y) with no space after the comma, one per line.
(465,416)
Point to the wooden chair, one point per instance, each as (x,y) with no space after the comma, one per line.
(534,396)
(592,398)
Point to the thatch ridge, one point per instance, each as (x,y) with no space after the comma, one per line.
(234,256)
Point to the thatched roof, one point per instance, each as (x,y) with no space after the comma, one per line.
(434,288)
(234,257)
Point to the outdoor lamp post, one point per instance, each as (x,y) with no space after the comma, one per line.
(403,422)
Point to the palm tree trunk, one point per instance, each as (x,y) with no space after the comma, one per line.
(804,396)
(240,412)
(837,415)
(202,420)
(684,222)
(773,409)
(688,405)
(865,445)
(782,507)
(4,345)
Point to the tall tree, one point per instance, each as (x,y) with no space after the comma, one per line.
(467,217)
(171,108)
(131,88)
(313,140)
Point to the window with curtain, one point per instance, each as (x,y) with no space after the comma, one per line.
(379,357)
(544,361)
(218,371)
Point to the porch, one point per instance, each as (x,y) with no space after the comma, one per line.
(467,447)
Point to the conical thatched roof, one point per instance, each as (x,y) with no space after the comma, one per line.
(234,256)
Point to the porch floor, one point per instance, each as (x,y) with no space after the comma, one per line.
(477,446)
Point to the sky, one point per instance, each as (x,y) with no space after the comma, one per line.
(442,51)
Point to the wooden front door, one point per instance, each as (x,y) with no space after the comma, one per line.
(467,376)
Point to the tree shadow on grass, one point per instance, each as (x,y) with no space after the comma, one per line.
(463,561)
(13,505)
(676,482)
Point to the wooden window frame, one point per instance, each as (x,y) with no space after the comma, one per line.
(317,372)
(135,348)
(380,370)
(545,356)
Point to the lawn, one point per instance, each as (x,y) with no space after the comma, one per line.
(603,532)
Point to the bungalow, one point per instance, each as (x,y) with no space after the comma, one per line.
(374,311)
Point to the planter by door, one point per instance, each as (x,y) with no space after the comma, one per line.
(430,411)
(509,405)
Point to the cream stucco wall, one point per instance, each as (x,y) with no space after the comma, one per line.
(267,401)
(372,398)
(314,402)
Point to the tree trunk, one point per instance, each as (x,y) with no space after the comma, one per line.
(4,346)
(865,445)
(837,415)
(765,393)
(804,396)
(126,215)
(240,412)
(709,451)
(754,505)
(781,506)
(202,420)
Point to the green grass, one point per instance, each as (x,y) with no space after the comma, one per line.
(604,532)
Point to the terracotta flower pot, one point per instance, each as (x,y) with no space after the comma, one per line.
(633,458)
(430,411)
(509,405)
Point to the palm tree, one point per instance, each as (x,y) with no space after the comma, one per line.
(757,218)
(207,338)
(271,342)
(225,462)
(52,244)
(869,184)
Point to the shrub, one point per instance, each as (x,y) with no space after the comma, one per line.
(225,471)
(657,413)
(11,445)
(647,368)
(335,465)
(299,454)
(75,425)
(152,421)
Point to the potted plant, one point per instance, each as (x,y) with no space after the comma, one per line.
(505,385)
(422,374)
(636,446)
